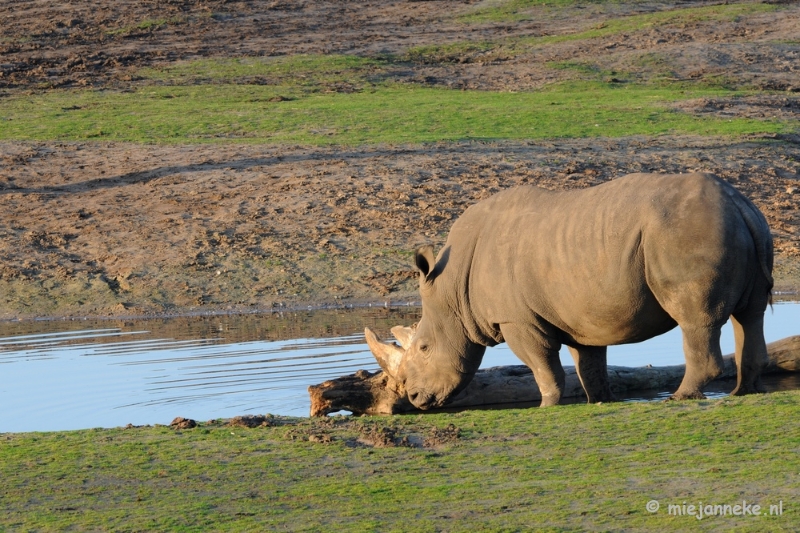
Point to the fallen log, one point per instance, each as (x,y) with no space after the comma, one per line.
(376,393)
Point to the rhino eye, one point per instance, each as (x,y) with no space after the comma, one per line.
(425,352)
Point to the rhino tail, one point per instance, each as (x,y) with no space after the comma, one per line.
(759,231)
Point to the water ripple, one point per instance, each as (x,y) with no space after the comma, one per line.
(69,378)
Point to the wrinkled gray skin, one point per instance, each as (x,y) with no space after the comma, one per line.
(617,263)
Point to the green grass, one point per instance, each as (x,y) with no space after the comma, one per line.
(613,26)
(515,10)
(382,114)
(302,70)
(726,12)
(510,470)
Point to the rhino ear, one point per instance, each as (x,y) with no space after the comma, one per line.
(425,260)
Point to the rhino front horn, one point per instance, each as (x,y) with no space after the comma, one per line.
(388,354)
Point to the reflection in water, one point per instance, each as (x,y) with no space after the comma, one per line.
(59,382)
(78,374)
(719,389)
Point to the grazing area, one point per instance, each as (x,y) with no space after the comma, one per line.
(508,470)
(193,156)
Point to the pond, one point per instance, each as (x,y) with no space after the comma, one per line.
(59,375)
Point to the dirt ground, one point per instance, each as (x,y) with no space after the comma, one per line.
(101,43)
(98,229)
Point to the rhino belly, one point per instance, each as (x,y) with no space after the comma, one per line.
(616,319)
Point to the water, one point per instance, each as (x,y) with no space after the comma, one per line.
(60,375)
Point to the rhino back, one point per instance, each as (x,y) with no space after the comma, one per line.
(600,264)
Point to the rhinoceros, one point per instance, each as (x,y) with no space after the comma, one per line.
(616,263)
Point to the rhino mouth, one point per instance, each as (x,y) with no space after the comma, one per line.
(424,400)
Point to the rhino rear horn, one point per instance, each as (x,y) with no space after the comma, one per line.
(388,354)
(404,335)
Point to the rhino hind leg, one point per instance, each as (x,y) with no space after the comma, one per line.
(541,356)
(751,353)
(590,363)
(703,361)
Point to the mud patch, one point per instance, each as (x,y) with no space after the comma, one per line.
(252,421)
(357,433)
(384,283)
(442,436)
(320,438)
(382,437)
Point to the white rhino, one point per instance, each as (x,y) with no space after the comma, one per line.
(617,263)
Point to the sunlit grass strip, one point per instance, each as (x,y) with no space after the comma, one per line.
(659,19)
(513,10)
(394,114)
(510,470)
(606,28)
(298,69)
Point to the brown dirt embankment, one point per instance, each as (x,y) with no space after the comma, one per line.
(121,229)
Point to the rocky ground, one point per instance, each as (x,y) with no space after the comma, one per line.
(124,229)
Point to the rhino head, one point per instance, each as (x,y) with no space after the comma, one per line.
(435,359)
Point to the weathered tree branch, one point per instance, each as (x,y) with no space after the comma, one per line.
(366,393)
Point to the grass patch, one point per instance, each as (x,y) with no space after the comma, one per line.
(587,69)
(506,470)
(516,10)
(692,15)
(512,47)
(300,70)
(457,52)
(383,114)
(653,70)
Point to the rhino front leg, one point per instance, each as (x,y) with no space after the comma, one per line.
(590,362)
(541,356)
(703,361)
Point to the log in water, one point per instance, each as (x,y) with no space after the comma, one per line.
(368,393)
